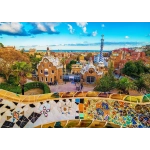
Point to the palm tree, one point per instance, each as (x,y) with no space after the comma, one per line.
(63,61)
(124,85)
(21,69)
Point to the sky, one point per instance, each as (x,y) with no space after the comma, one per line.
(74,35)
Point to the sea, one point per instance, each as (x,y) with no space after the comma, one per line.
(72,51)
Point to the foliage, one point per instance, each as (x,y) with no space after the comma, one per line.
(27,86)
(139,83)
(22,50)
(11,88)
(8,58)
(1,45)
(12,80)
(146,79)
(70,64)
(11,55)
(107,82)
(5,68)
(34,60)
(134,69)
(21,67)
(104,84)
(124,85)
(147,52)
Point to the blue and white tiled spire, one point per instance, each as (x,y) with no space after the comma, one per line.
(101,58)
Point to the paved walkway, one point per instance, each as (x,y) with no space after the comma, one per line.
(35,91)
(68,87)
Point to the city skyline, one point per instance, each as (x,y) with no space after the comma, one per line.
(74,35)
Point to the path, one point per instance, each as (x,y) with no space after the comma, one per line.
(69,87)
(35,91)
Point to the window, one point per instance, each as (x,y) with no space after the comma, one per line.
(42,79)
(45,71)
(41,71)
(60,77)
(52,71)
(46,79)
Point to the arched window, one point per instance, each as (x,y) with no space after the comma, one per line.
(45,71)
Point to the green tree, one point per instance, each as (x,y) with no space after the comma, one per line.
(34,60)
(147,52)
(107,82)
(124,85)
(104,84)
(141,68)
(1,45)
(22,50)
(70,64)
(146,79)
(21,67)
(134,69)
(130,69)
(139,83)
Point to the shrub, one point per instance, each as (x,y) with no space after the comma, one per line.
(40,85)
(11,88)
(27,86)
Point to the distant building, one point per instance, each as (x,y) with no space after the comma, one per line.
(121,56)
(38,56)
(81,58)
(50,69)
(32,51)
(76,68)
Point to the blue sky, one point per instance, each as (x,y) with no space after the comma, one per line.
(74,35)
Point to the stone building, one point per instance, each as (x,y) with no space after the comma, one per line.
(76,68)
(50,69)
(90,73)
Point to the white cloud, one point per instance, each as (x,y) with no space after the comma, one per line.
(82,25)
(52,25)
(70,28)
(52,28)
(11,27)
(41,27)
(126,37)
(102,25)
(94,33)
(84,29)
